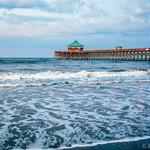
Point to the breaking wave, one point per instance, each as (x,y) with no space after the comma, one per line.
(66,75)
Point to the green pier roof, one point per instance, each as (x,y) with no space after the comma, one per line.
(75,44)
(118,47)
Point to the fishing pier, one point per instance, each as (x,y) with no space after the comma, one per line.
(76,51)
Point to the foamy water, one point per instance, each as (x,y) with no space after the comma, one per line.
(27,79)
(48,103)
(68,75)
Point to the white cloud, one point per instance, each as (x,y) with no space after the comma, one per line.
(28,12)
(69,17)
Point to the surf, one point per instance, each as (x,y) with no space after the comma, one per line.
(67,75)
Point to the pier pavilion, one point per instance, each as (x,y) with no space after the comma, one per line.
(75,47)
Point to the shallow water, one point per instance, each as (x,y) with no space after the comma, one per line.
(50,103)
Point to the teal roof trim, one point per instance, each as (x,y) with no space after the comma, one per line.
(118,46)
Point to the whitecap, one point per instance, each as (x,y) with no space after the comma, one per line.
(67,75)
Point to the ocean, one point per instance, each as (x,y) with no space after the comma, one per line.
(50,103)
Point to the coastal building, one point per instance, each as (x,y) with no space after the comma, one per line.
(77,51)
(75,47)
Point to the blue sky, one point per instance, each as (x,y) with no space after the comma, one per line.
(36,28)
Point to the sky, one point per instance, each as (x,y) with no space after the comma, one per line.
(36,28)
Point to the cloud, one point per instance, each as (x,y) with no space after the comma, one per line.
(142,9)
(22,4)
(50,5)
(68,17)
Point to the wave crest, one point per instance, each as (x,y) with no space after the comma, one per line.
(67,75)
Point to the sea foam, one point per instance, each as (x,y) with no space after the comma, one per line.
(66,75)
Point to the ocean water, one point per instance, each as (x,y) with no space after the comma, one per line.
(71,104)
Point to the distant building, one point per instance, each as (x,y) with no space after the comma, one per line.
(75,47)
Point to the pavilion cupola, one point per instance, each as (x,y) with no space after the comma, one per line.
(75,47)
